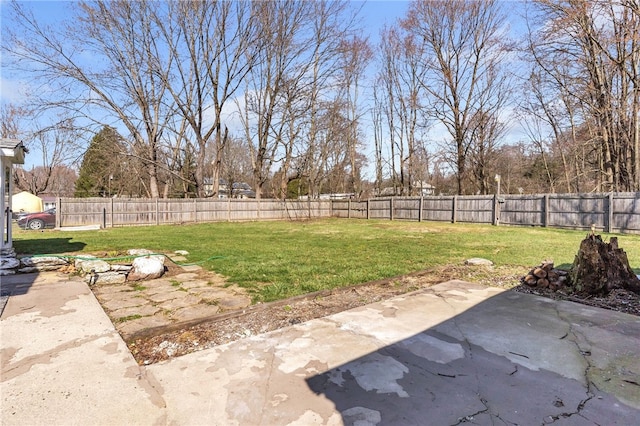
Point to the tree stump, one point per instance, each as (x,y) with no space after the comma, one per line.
(600,267)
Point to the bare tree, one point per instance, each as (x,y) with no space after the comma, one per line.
(355,55)
(57,146)
(212,45)
(123,79)
(463,51)
(12,119)
(292,64)
(599,43)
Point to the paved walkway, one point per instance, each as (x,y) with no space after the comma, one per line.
(189,296)
(455,353)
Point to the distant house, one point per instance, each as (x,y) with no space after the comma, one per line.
(422,189)
(332,196)
(48,201)
(26,202)
(237,189)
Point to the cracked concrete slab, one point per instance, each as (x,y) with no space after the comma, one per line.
(455,353)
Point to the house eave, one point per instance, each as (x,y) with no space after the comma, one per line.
(13,150)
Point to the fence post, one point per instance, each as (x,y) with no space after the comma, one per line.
(368,210)
(111,212)
(420,209)
(454,210)
(157,212)
(496,210)
(349,209)
(258,208)
(545,217)
(609,227)
(58,212)
(391,208)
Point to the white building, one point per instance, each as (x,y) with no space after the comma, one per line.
(12,152)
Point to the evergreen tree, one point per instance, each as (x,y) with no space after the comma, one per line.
(101,172)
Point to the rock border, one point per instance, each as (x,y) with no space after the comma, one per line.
(145,265)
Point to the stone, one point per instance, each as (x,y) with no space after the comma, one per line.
(478,261)
(183,302)
(195,284)
(187,276)
(95,265)
(109,277)
(128,328)
(4,272)
(41,262)
(146,268)
(167,295)
(139,252)
(122,302)
(142,310)
(39,268)
(9,263)
(230,303)
(121,268)
(181,252)
(194,312)
(108,290)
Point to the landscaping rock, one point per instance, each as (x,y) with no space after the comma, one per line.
(41,264)
(110,277)
(121,268)
(146,268)
(139,252)
(181,252)
(97,266)
(478,261)
(44,263)
(9,263)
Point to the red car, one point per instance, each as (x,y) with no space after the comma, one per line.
(36,221)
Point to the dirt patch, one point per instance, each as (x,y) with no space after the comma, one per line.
(155,345)
(261,318)
(619,300)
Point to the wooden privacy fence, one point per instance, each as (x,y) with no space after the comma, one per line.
(110,212)
(612,212)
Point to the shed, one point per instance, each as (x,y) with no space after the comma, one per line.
(12,152)
(26,202)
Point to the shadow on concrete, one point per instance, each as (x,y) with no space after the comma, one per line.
(498,362)
(17,284)
(14,285)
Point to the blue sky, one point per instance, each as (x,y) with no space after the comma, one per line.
(374,16)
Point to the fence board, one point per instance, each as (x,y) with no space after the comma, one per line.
(438,208)
(523,210)
(140,211)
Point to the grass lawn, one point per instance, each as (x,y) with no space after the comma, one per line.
(275,260)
